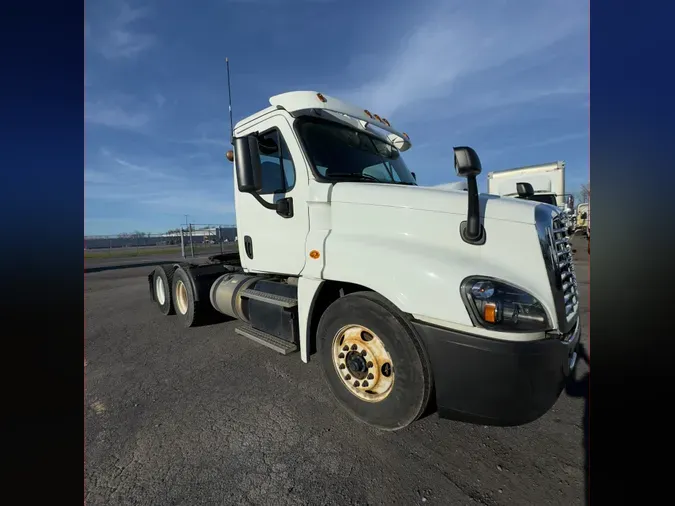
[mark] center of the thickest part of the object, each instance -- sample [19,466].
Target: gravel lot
[205,416]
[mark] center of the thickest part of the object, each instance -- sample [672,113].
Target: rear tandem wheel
[162,279]
[189,311]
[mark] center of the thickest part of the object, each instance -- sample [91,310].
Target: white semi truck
[401,292]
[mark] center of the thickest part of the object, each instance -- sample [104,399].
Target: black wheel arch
[330,291]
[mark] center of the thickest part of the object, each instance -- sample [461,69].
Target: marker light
[321,97]
[368,113]
[377,118]
[490,312]
[406,136]
[496,305]
[384,120]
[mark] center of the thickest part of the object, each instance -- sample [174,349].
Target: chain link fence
[189,241]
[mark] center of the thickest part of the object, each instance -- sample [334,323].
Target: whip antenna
[229,96]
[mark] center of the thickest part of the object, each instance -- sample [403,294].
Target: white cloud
[119,38]
[161,185]
[460,41]
[118,110]
[160,100]
[558,139]
[114,116]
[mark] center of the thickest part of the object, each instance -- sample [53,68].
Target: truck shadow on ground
[579,388]
[213,317]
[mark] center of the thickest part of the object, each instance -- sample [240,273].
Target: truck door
[269,242]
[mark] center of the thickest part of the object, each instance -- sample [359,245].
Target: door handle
[248,246]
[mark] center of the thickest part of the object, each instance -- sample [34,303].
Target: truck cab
[400,291]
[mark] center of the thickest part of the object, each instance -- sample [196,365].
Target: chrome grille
[562,257]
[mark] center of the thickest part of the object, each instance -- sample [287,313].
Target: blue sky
[507,77]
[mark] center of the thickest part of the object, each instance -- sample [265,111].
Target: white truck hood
[432,199]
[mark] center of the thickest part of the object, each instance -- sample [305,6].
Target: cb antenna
[229,95]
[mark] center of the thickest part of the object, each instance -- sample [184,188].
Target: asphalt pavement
[205,416]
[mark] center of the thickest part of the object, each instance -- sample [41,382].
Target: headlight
[496,305]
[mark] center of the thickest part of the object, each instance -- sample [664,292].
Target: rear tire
[395,364]
[162,280]
[187,309]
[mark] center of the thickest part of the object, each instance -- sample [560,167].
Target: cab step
[260,337]
[270,298]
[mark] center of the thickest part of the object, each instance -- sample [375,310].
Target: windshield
[339,152]
[545,198]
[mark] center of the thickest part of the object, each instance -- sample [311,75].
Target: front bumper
[496,382]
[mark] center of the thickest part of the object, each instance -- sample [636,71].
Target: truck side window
[278,170]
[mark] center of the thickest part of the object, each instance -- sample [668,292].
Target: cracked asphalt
[205,416]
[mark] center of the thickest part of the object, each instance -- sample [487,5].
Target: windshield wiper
[354,175]
[365,177]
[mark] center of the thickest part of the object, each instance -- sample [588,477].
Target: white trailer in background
[548,184]
[547,180]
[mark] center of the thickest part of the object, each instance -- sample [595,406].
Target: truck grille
[557,252]
[564,264]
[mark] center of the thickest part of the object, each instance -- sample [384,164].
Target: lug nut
[365,383]
[345,348]
[370,376]
[356,383]
[341,355]
[386,369]
[354,347]
[364,353]
[369,364]
[348,377]
[342,366]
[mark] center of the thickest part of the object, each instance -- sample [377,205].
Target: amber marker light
[490,312]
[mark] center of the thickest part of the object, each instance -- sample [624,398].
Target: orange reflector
[384,120]
[368,113]
[314,254]
[377,117]
[490,312]
[321,97]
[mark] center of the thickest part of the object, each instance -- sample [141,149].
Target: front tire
[373,362]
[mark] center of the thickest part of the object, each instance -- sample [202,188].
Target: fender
[308,290]
[422,275]
[186,267]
